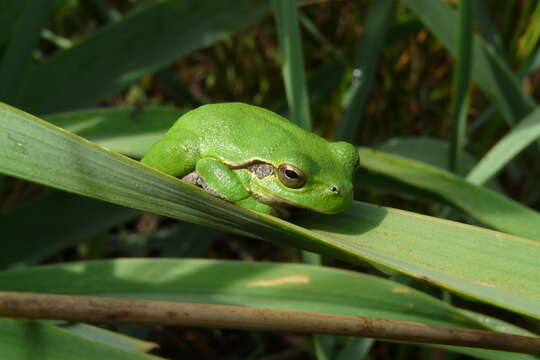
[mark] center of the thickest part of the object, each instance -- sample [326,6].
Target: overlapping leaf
[267,285]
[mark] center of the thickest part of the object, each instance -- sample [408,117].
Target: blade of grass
[529,40]
[490,72]
[532,65]
[125,129]
[18,54]
[487,28]
[378,22]
[121,53]
[290,45]
[473,203]
[40,340]
[521,136]
[460,85]
[489,207]
[462,258]
[356,349]
[430,150]
[267,285]
[106,337]
[314,31]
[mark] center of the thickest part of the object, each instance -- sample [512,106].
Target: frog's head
[320,181]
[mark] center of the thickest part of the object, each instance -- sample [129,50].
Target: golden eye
[291,176]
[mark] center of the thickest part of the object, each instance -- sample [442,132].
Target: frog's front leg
[222,182]
[175,155]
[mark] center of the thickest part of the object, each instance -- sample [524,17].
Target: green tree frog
[257,159]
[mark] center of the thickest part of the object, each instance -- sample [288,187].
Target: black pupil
[291,174]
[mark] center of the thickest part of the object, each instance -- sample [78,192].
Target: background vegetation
[444,91]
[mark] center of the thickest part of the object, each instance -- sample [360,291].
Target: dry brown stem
[113,310]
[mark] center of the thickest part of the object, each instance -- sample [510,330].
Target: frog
[257,159]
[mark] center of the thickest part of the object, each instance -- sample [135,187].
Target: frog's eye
[291,176]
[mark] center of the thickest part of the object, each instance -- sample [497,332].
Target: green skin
[233,150]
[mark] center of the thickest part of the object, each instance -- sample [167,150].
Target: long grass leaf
[529,40]
[18,54]
[106,337]
[460,84]
[371,43]
[290,45]
[488,29]
[136,134]
[487,206]
[521,136]
[39,340]
[268,285]
[462,258]
[294,77]
[127,130]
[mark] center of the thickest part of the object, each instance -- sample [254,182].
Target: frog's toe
[253,204]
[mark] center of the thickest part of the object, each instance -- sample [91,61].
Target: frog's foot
[194,178]
[256,205]
[175,156]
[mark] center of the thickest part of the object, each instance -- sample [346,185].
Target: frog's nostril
[334,189]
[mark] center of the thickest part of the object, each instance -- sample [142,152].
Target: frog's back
[237,131]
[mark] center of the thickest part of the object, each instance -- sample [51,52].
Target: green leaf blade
[39,340]
[37,151]
[489,207]
[515,141]
[290,44]
[378,23]
[268,285]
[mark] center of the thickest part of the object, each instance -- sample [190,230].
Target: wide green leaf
[491,208]
[21,339]
[463,258]
[127,130]
[430,150]
[268,285]
[106,337]
[509,146]
[145,40]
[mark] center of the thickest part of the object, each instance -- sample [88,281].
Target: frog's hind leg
[175,154]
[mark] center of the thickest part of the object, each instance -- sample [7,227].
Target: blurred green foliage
[379,74]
